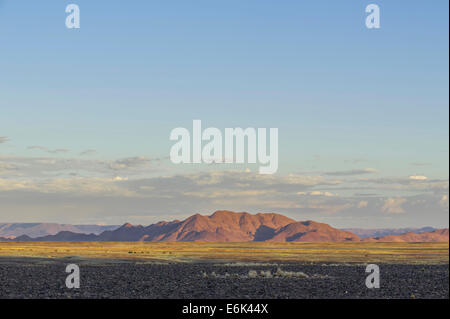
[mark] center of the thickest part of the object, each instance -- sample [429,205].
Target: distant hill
[381,232]
[13,230]
[439,235]
[227,226]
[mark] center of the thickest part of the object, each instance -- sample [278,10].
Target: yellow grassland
[411,253]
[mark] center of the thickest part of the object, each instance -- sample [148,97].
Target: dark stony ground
[45,278]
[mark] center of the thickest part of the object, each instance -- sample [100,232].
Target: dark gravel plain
[45,278]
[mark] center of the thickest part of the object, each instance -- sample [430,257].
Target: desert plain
[198,270]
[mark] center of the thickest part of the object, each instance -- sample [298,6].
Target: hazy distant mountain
[381,232]
[234,227]
[43,229]
[439,235]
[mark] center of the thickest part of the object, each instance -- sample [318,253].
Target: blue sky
[345,98]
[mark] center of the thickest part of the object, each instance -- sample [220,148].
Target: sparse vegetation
[262,274]
[237,254]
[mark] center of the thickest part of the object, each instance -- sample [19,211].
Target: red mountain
[235,227]
[225,226]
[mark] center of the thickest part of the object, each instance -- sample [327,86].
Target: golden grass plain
[408,253]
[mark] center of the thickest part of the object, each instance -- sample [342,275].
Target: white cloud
[418,177]
[393,205]
[119,178]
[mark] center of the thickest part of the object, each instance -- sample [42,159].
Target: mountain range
[13,230]
[227,226]
[381,232]
[439,235]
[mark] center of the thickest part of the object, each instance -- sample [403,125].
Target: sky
[362,114]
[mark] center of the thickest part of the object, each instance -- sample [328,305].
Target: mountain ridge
[12,230]
[228,226]
[381,232]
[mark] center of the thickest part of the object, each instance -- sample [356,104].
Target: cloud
[88,152]
[237,190]
[141,185]
[420,164]
[73,186]
[7,166]
[403,184]
[130,163]
[393,205]
[363,204]
[222,185]
[229,193]
[317,193]
[418,177]
[107,194]
[236,178]
[45,149]
[3,139]
[44,167]
[353,172]
[119,178]
[7,169]
[444,201]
